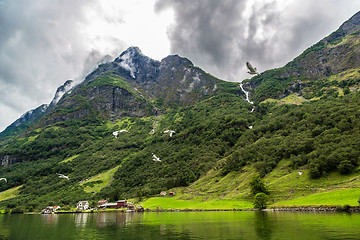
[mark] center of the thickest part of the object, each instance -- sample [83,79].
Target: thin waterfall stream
[247,99]
[246,94]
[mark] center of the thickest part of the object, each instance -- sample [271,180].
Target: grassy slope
[287,188]
[291,99]
[336,197]
[172,203]
[96,183]
[10,193]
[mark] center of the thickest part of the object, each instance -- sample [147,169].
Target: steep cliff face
[106,101]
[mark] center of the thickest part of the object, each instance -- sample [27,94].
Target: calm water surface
[182,225]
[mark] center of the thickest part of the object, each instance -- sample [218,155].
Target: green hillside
[108,135]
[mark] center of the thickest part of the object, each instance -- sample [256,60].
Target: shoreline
[336,209]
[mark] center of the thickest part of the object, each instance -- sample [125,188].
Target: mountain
[104,132]
[131,85]
[34,115]
[134,85]
[330,64]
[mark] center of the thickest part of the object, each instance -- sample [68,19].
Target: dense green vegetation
[323,135]
[82,149]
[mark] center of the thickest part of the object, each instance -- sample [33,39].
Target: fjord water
[182,225]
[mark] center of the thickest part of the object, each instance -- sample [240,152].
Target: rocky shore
[316,209]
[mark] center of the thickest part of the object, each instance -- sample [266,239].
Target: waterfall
[246,94]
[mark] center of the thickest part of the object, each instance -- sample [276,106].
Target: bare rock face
[351,25]
[7,160]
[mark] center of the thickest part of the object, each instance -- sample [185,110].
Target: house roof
[121,201]
[111,204]
[102,201]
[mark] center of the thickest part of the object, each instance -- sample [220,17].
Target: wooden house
[121,203]
[82,205]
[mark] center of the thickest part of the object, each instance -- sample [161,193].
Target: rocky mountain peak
[61,91]
[135,62]
[175,61]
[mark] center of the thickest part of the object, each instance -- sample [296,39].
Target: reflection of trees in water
[263,225]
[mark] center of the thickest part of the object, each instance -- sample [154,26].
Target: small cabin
[163,193]
[171,193]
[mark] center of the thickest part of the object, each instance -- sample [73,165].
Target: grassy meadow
[171,203]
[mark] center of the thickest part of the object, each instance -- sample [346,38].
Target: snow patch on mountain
[126,60]
[127,63]
[66,87]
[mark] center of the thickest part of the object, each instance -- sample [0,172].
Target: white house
[82,205]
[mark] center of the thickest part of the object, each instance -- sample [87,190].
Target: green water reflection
[182,225]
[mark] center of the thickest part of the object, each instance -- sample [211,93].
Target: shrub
[260,200]
[344,208]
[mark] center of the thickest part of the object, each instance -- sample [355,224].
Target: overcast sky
[43,43]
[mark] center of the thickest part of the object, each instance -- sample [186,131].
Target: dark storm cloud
[42,44]
[220,36]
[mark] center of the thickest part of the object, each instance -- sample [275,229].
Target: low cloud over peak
[221,36]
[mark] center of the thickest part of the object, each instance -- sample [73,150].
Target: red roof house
[121,203]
